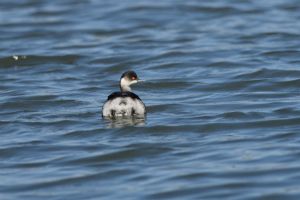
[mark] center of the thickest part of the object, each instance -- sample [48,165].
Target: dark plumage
[123,94]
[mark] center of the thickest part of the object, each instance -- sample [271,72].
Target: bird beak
[139,80]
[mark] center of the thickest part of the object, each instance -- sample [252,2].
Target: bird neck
[124,86]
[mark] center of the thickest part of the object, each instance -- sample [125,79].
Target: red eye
[133,78]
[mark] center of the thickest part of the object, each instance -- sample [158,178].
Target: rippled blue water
[222,95]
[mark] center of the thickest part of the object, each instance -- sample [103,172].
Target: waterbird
[124,103]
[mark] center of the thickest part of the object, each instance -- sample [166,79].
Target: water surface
[222,95]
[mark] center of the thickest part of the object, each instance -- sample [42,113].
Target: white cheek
[134,81]
[124,82]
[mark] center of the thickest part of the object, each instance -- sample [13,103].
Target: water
[222,95]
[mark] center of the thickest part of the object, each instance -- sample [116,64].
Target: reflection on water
[116,122]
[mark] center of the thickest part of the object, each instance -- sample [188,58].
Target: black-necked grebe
[124,103]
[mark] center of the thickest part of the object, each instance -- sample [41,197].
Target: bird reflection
[138,120]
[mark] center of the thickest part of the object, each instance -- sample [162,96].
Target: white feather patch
[123,106]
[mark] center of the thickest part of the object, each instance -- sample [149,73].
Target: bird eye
[133,78]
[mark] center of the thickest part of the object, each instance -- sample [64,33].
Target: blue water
[222,97]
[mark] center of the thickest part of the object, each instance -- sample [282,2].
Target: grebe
[124,103]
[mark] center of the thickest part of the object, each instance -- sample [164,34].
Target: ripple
[269,73]
[222,96]
[38,60]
